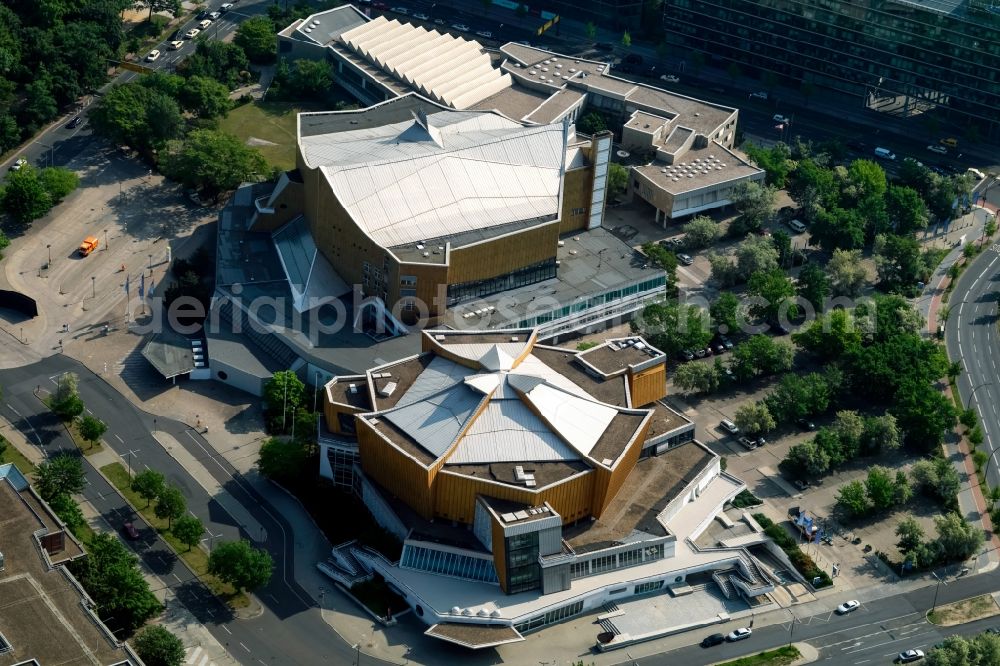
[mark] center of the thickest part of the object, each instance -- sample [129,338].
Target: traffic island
[966,610]
[789,655]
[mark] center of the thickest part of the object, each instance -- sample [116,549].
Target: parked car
[760,441]
[718,348]
[421,16]
[192,33]
[204,24]
[976,172]
[848,606]
[778,118]
[485,34]
[913,160]
[461,27]
[950,142]
[153,55]
[760,94]
[713,640]
[129,530]
[701,353]
[738,635]
[726,342]
[401,10]
[225,7]
[685,259]
[175,45]
[16,166]
[729,427]
[685,355]
[73,124]
[670,78]
[907,656]
[747,443]
[806,424]
[940,150]
[214,16]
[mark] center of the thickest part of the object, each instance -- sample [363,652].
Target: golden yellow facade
[332,412]
[455,495]
[577,187]
[648,386]
[395,471]
[607,483]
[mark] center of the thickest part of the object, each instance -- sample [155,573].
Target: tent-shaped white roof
[447,173]
[453,71]
[578,421]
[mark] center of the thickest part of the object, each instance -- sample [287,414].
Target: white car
[485,34]
[778,118]
[940,150]
[760,94]
[204,24]
[461,27]
[175,45]
[226,7]
[401,10]
[16,166]
[421,17]
[192,33]
[729,427]
[153,55]
[670,78]
[214,16]
[910,655]
[738,635]
[848,606]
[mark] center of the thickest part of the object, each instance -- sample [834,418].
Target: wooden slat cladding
[455,495]
[608,483]
[648,386]
[501,256]
[395,471]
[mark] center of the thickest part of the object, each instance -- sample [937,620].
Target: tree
[626,39]
[902,491]
[906,209]
[92,429]
[881,433]
[156,646]
[897,261]
[241,565]
[281,460]
[58,182]
[170,505]
[112,579]
[665,259]
[283,393]
[853,499]
[205,97]
[696,378]
[723,270]
[211,161]
[774,294]
[782,242]
[68,511]
[847,273]
[812,186]
[760,355]
[754,202]
[617,179]
[591,31]
[65,400]
[673,327]
[257,38]
[701,232]
[592,123]
[224,62]
[880,487]
[924,414]
[725,313]
[910,534]
[756,254]
[149,484]
[171,6]
[814,286]
[937,478]
[188,530]
[849,428]
[24,196]
[958,539]
[61,474]
[775,161]
[754,418]
[830,336]
[798,396]
[311,78]
[808,459]
[137,115]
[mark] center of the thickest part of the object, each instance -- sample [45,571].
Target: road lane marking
[227,630]
[244,646]
[119,438]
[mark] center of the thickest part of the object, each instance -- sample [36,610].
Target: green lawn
[269,121]
[779,657]
[12,455]
[195,558]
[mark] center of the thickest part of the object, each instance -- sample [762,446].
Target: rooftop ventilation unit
[607,462]
[387,390]
[514,338]
[482,612]
[439,338]
[455,610]
[527,478]
[353,388]
[495,612]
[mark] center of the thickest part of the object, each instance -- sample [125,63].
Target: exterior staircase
[343,567]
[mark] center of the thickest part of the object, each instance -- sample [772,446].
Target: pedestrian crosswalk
[197,656]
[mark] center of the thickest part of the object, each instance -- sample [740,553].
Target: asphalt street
[287,632]
[971,336]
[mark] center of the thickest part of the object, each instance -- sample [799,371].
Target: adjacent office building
[892,55]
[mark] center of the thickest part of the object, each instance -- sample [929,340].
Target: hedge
[802,562]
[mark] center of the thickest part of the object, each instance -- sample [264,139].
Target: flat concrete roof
[563,361]
[41,615]
[653,483]
[714,165]
[170,353]
[475,636]
[516,102]
[617,355]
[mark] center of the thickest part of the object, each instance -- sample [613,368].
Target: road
[971,336]
[290,630]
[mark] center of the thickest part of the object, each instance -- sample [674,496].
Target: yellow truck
[88,245]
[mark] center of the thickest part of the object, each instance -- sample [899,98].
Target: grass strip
[195,558]
[779,657]
[12,455]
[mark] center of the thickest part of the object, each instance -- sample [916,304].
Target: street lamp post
[93,286]
[936,590]
[150,264]
[968,404]
[105,239]
[48,247]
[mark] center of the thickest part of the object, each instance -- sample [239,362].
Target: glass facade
[523,276]
[906,57]
[553,616]
[653,284]
[447,564]
[523,571]
[341,464]
[653,586]
[622,560]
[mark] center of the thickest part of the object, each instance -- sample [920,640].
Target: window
[602,564]
[578,211]
[579,569]
[407,292]
[407,280]
[455,565]
[652,586]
